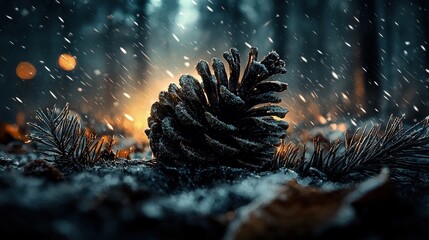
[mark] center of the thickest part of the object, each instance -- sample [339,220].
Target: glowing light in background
[67,62]
[138,107]
[25,71]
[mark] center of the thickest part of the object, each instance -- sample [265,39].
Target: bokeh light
[25,70]
[67,62]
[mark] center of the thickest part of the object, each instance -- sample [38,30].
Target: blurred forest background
[347,61]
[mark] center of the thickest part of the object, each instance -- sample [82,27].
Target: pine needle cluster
[60,135]
[364,153]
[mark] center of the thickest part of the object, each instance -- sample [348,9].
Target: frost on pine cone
[221,121]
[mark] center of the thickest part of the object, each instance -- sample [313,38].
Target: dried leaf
[301,212]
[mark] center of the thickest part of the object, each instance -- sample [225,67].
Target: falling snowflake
[126,95]
[176,38]
[53,95]
[129,117]
[169,73]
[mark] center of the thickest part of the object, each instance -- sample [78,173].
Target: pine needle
[364,154]
[60,135]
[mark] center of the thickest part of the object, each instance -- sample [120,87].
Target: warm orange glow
[135,113]
[67,62]
[341,127]
[124,153]
[25,71]
[14,131]
[322,119]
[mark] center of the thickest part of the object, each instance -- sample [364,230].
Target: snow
[53,95]
[212,200]
[129,117]
[175,37]
[170,74]
[387,93]
[126,95]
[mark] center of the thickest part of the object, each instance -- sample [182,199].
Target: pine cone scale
[233,59]
[271,86]
[169,99]
[186,116]
[192,89]
[268,110]
[229,99]
[219,146]
[209,83]
[220,73]
[261,99]
[219,125]
[256,73]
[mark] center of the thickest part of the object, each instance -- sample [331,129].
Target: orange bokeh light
[25,70]
[67,62]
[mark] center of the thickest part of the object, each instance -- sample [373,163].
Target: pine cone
[221,121]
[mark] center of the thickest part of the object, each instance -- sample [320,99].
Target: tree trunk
[370,56]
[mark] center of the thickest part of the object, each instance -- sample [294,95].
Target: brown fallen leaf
[300,211]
